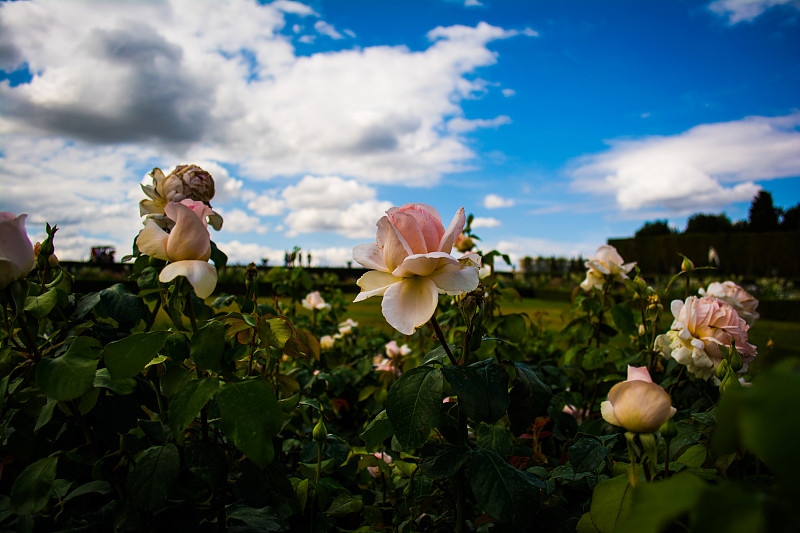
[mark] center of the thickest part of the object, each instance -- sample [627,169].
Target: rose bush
[605,265]
[637,404]
[411,265]
[701,327]
[16,251]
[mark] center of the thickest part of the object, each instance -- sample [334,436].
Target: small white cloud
[485,222]
[472,3]
[267,204]
[494,201]
[707,167]
[325,191]
[463,125]
[327,29]
[509,92]
[238,221]
[356,221]
[746,10]
[294,8]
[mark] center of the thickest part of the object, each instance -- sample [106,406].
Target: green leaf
[653,506]
[127,357]
[31,490]
[123,387]
[446,463]
[496,438]
[344,504]
[594,358]
[529,398]
[85,305]
[40,306]
[69,376]
[438,354]
[208,462]
[45,415]
[207,346]
[508,494]
[275,331]
[482,389]
[184,407]
[122,305]
[263,519]
[694,457]
[250,417]
[414,405]
[587,454]
[611,501]
[377,431]
[623,318]
[513,328]
[151,479]
[92,487]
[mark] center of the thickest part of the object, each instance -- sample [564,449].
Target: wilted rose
[732,294]
[637,404]
[186,182]
[16,251]
[606,265]
[411,265]
[187,247]
[701,327]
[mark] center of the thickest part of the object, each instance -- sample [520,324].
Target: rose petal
[607,410]
[639,373]
[409,304]
[395,249]
[453,231]
[201,274]
[423,264]
[189,239]
[369,256]
[456,279]
[152,241]
[374,283]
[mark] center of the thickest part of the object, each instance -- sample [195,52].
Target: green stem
[152,318]
[442,340]
[30,342]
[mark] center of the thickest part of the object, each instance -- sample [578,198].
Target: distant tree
[653,229]
[763,213]
[702,223]
[740,226]
[791,219]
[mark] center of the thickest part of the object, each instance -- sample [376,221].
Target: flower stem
[442,340]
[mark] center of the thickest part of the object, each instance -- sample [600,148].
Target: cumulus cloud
[495,201]
[485,222]
[238,221]
[509,92]
[326,191]
[746,10]
[356,221]
[267,204]
[705,168]
[462,125]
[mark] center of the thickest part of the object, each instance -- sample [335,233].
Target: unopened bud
[687,265]
[320,433]
[669,429]
[736,360]
[722,370]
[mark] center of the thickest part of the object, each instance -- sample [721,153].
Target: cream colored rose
[411,265]
[326,342]
[732,294]
[700,328]
[314,301]
[606,265]
[637,404]
[16,251]
[395,352]
[187,247]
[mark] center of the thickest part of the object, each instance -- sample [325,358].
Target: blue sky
[558,124]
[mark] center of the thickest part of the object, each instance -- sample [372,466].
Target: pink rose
[16,251]
[187,247]
[637,404]
[701,327]
[735,296]
[395,352]
[606,264]
[375,471]
[411,265]
[313,300]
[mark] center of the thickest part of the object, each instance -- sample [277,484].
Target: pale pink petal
[200,274]
[395,249]
[607,410]
[408,226]
[152,241]
[374,283]
[456,279]
[369,256]
[423,264]
[453,231]
[639,373]
[430,224]
[409,304]
[189,239]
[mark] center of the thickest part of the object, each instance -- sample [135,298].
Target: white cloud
[509,92]
[267,204]
[746,10]
[327,29]
[706,167]
[355,221]
[494,201]
[485,222]
[238,221]
[462,125]
[326,191]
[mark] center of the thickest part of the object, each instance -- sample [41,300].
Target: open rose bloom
[314,301]
[187,247]
[637,404]
[732,294]
[701,327]
[16,251]
[411,265]
[606,263]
